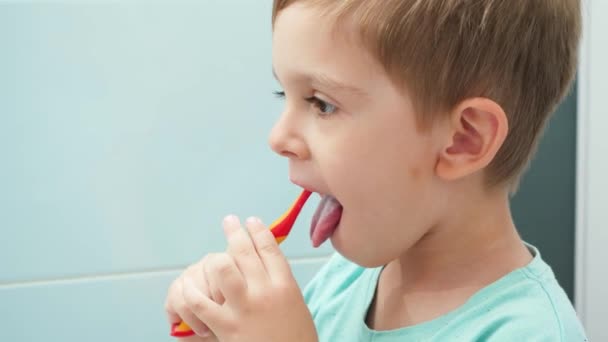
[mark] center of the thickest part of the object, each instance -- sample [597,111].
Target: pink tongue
[325,220]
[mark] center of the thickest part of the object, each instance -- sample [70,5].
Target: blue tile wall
[98,309]
[128,130]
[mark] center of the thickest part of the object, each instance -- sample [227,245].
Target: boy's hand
[256,295]
[178,311]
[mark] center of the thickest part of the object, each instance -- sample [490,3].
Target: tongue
[325,220]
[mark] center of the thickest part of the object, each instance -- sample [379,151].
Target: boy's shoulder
[527,303]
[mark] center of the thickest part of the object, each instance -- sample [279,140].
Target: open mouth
[325,220]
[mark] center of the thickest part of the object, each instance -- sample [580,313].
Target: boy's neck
[467,251]
[482,233]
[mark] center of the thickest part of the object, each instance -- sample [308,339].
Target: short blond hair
[522,54]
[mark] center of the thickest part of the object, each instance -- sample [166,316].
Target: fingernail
[231,219]
[253,219]
[231,224]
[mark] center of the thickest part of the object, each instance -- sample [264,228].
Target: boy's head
[397,107]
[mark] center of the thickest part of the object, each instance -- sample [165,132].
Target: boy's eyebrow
[330,83]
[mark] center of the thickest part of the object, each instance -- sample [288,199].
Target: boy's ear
[477,129]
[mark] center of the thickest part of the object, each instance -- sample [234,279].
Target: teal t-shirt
[527,304]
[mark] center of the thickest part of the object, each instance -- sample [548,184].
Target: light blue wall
[128,130]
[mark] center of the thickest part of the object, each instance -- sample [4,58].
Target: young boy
[414,119]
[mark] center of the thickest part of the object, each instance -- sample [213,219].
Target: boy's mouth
[325,220]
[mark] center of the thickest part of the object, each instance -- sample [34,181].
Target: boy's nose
[286,139]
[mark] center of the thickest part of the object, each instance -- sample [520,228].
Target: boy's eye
[324,108]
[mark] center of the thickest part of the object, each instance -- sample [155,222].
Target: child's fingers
[181,312]
[206,287]
[224,275]
[272,257]
[172,315]
[201,306]
[241,248]
[170,303]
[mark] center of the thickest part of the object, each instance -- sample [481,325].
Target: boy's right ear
[477,129]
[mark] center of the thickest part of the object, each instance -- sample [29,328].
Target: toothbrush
[280,228]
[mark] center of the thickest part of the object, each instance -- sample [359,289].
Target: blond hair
[522,54]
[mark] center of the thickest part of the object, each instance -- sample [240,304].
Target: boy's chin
[363,254]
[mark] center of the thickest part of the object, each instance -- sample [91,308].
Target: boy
[414,119]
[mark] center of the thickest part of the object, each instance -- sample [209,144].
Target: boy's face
[350,133]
